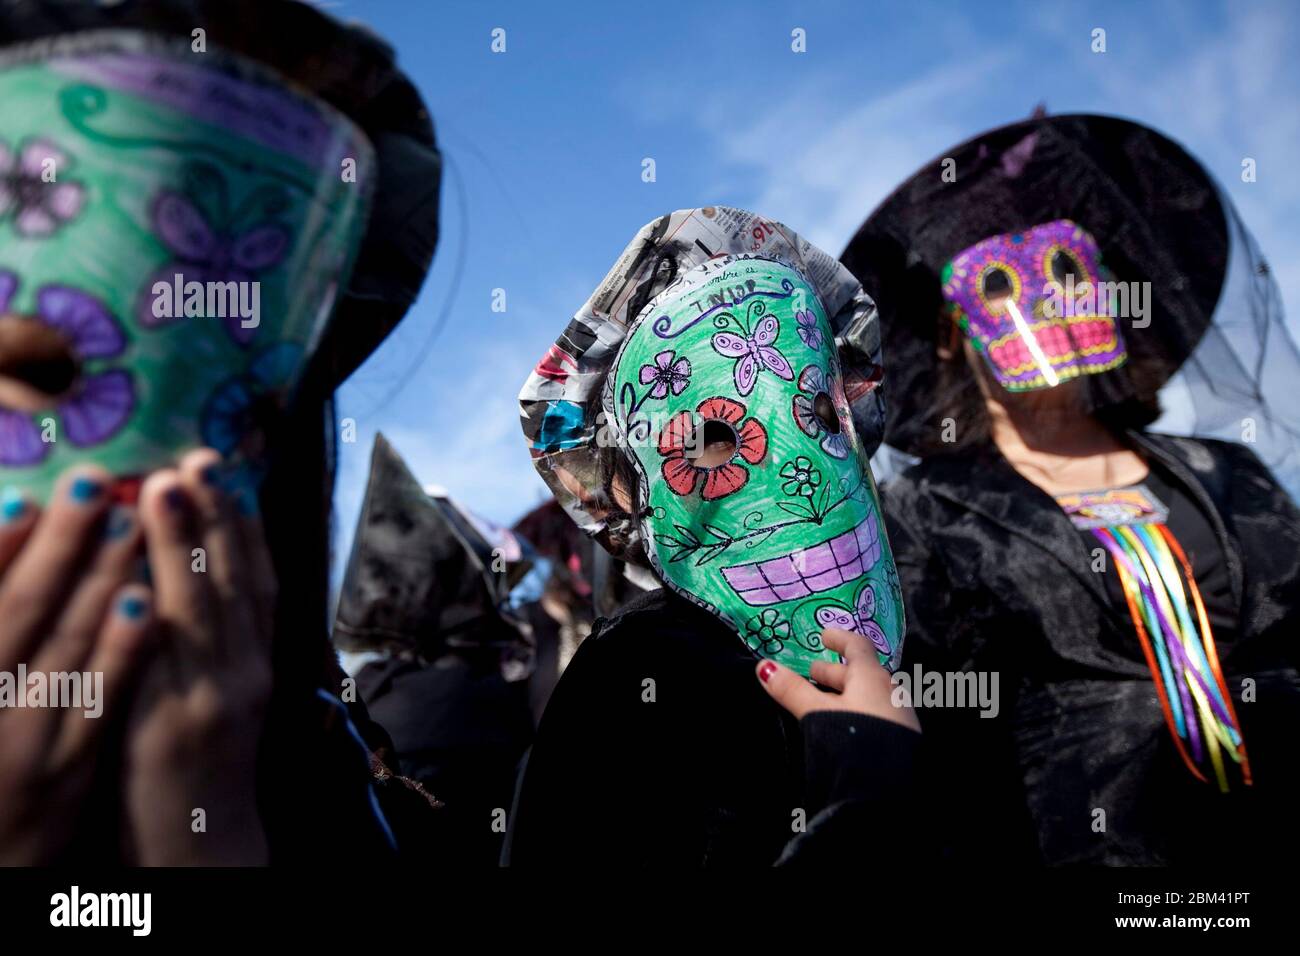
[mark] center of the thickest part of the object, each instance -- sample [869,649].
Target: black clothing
[1077,765]
[424,585]
[861,771]
[459,729]
[660,747]
[422,580]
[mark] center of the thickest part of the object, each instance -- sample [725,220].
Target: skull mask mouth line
[820,567]
[1065,342]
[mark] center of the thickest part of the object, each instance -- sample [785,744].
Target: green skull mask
[756,498]
[181,226]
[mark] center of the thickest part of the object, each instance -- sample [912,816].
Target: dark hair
[1123,400]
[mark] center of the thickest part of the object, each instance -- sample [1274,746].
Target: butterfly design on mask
[204,254]
[859,620]
[754,352]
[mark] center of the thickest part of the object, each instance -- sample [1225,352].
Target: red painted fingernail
[766,670]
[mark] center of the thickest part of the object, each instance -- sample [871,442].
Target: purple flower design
[807,329]
[203,254]
[99,404]
[39,207]
[666,374]
[20,440]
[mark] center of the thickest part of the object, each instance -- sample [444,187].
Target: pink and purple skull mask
[1036,304]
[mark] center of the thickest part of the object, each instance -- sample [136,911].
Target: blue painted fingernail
[84,490]
[175,499]
[118,524]
[211,476]
[132,607]
[12,505]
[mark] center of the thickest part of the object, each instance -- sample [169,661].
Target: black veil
[1242,382]
[1215,358]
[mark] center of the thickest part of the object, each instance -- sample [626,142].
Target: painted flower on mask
[667,374]
[206,255]
[806,321]
[239,414]
[767,633]
[749,439]
[38,204]
[818,411]
[803,478]
[99,404]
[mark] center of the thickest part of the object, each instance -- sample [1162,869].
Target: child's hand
[197,720]
[68,614]
[863,686]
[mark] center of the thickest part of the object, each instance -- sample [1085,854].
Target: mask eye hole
[1063,264]
[715,443]
[36,363]
[824,409]
[996,287]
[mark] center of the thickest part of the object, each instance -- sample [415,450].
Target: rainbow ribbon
[1179,647]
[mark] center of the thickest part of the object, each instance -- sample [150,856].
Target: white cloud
[820,166]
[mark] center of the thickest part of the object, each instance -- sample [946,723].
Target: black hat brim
[1154,210]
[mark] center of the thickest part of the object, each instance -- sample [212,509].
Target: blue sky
[544,146]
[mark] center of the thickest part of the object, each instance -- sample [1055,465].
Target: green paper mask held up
[174,231]
[740,413]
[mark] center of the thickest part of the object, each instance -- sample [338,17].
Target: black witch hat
[422,578]
[1153,209]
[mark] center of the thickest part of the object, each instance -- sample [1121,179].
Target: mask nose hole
[824,409]
[37,363]
[715,444]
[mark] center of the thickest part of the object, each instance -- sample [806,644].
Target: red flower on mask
[749,440]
